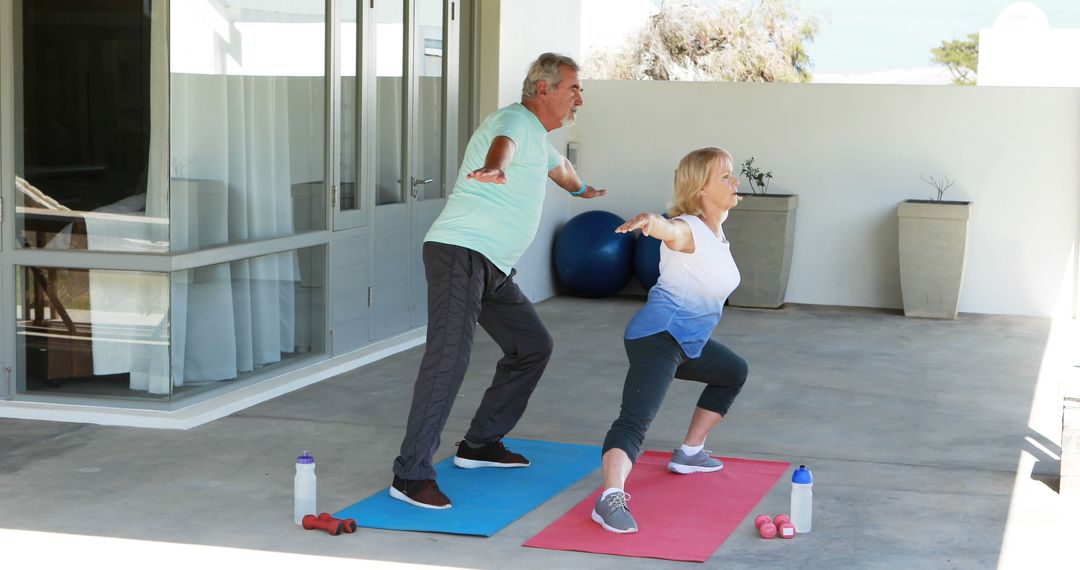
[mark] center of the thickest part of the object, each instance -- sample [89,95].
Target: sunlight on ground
[1040,529]
[50,550]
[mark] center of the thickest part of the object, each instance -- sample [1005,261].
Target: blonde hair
[691,176]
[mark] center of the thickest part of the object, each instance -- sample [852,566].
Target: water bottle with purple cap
[304,488]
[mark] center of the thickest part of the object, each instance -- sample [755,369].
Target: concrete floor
[932,445]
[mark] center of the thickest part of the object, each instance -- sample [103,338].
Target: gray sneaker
[613,514]
[700,462]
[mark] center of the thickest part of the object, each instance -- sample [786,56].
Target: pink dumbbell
[784,528]
[765,527]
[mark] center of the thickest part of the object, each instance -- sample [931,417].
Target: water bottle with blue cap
[802,499]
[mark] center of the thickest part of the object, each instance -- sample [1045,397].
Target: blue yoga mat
[485,500]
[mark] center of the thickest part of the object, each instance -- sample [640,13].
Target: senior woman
[670,336]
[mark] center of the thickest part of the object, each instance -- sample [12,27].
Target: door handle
[414,182]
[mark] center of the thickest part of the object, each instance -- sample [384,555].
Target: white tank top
[689,296]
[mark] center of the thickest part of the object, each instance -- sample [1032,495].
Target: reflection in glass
[348,198]
[232,319]
[429,109]
[85,167]
[247,82]
[93,332]
[139,335]
[389,63]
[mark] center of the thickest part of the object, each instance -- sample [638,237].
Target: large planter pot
[933,244]
[761,230]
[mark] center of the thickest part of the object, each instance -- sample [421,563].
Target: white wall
[529,28]
[852,152]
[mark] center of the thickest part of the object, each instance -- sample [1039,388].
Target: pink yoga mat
[680,517]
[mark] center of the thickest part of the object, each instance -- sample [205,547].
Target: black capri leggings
[654,361]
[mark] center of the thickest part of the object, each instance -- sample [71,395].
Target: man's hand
[591,192]
[491,175]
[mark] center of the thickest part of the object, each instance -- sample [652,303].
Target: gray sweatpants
[464,288]
[654,361]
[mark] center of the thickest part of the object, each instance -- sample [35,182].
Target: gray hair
[545,68]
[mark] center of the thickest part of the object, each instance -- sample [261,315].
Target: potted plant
[761,230]
[933,245]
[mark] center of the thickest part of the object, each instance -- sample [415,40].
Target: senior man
[469,254]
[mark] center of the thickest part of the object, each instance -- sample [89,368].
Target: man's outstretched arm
[499,155]
[567,178]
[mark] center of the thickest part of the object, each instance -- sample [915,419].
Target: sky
[861,36]
[860,41]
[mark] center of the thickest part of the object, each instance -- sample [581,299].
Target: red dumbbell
[347,525]
[765,527]
[332,526]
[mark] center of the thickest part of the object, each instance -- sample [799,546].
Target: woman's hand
[646,221]
[675,234]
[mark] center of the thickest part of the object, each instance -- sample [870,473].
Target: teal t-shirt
[500,220]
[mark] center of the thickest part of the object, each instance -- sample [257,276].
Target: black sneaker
[492,454]
[421,493]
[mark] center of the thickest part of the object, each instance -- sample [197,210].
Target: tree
[692,41]
[961,57]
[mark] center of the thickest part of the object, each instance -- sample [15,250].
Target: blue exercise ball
[592,260]
[647,261]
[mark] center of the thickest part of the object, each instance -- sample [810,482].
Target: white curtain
[229,318]
[129,310]
[237,147]
[236,186]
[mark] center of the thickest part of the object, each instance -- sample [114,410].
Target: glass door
[346,198]
[408,119]
[427,156]
[385,101]
[7,192]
